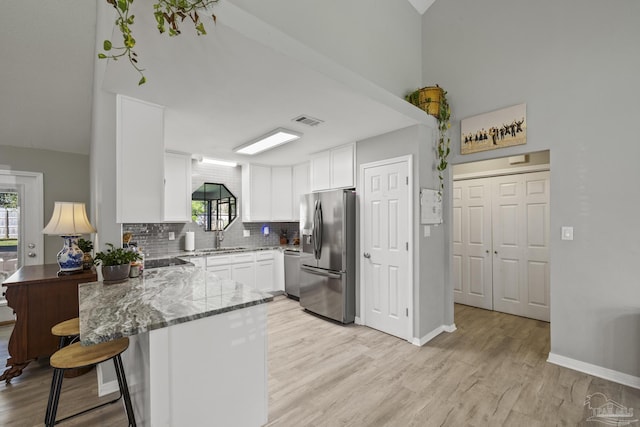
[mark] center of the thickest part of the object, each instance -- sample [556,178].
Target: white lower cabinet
[222,271]
[244,273]
[261,270]
[265,270]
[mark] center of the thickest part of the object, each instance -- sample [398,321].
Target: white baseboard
[106,388]
[431,335]
[357,321]
[595,370]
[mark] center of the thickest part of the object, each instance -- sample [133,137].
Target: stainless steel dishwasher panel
[292,274]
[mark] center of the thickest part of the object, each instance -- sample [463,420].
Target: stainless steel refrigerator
[327,257]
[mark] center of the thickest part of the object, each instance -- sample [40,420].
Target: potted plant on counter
[116,262]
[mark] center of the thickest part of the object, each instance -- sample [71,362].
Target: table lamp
[69,220]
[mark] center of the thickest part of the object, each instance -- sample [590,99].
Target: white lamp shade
[69,219]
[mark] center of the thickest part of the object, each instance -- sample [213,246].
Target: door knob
[367,255]
[31,255]
[495,252]
[31,245]
[487,251]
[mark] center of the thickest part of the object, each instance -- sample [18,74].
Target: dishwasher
[292,274]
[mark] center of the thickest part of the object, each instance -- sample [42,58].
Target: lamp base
[70,256]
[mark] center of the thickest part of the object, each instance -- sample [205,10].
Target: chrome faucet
[218,235]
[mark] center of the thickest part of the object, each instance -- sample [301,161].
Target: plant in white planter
[116,262]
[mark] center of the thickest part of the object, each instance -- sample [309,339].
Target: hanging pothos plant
[444,141]
[169,14]
[433,100]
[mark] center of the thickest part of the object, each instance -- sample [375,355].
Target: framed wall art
[497,129]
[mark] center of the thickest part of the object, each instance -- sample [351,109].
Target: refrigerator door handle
[314,230]
[320,226]
[319,272]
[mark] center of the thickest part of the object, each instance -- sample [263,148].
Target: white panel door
[385,248]
[520,217]
[472,261]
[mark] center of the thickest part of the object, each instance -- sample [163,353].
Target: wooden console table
[40,299]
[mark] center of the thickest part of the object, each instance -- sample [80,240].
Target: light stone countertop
[232,250]
[159,298]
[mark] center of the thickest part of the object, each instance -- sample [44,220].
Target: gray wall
[380,42]
[65,179]
[429,256]
[575,64]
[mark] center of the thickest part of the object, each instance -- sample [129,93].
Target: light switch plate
[246,233]
[172,235]
[427,230]
[567,233]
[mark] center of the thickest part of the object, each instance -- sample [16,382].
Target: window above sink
[213,206]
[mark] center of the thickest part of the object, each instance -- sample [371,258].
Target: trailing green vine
[444,141]
[433,100]
[169,14]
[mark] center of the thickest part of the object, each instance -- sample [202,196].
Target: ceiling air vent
[308,120]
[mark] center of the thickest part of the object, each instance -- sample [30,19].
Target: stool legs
[124,390]
[56,387]
[54,397]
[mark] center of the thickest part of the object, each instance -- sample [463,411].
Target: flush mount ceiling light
[265,142]
[218,162]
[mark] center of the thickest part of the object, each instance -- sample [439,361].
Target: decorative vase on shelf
[115,273]
[70,257]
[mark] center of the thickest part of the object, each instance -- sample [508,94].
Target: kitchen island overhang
[198,352]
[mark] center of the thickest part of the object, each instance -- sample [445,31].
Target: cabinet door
[300,187]
[256,193]
[321,172]
[139,142]
[222,271]
[177,187]
[244,273]
[281,194]
[342,166]
[265,275]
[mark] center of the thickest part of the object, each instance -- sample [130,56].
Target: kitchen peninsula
[198,353]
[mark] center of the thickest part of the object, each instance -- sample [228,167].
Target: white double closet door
[501,244]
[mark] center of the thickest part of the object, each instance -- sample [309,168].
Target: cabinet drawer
[218,260]
[264,255]
[243,257]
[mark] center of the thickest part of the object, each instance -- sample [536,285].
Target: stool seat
[67,328]
[77,355]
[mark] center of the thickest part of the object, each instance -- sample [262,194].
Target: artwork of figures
[497,129]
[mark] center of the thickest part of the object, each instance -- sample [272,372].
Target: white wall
[575,64]
[65,179]
[379,41]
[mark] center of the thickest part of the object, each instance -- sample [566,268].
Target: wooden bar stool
[68,331]
[76,356]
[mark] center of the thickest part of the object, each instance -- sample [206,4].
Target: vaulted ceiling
[47,83]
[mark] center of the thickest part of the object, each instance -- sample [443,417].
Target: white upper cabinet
[301,186]
[140,161]
[177,187]
[321,171]
[281,193]
[256,193]
[342,166]
[333,168]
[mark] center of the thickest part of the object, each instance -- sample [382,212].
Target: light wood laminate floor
[492,371]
